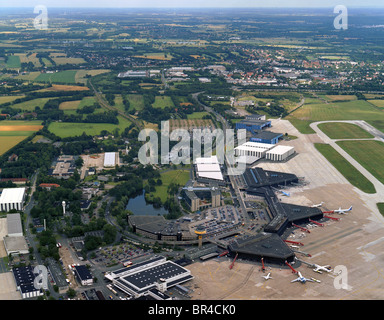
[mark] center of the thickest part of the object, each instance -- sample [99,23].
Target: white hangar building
[12,198]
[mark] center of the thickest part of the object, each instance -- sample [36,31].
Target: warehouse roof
[208,168]
[12,195]
[14,224]
[280,149]
[109,159]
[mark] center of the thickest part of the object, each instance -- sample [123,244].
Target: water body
[139,207]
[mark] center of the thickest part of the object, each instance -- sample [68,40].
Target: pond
[139,207]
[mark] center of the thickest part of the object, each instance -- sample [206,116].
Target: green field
[380,206]
[340,130]
[350,110]
[13,62]
[70,129]
[176,176]
[197,115]
[162,102]
[345,168]
[368,153]
[31,104]
[67,76]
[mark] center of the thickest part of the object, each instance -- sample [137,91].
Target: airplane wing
[298,279]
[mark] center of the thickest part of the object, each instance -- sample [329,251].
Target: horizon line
[226,7]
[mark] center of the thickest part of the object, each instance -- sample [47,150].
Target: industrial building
[12,198]
[280,153]
[63,167]
[208,170]
[109,159]
[24,278]
[83,275]
[253,125]
[266,137]
[155,273]
[15,242]
[252,151]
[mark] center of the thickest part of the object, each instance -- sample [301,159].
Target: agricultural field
[368,153]
[13,132]
[353,175]
[31,104]
[7,142]
[190,124]
[70,129]
[155,56]
[340,130]
[77,104]
[179,177]
[67,76]
[13,62]
[377,103]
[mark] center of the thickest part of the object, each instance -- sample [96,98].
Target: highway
[225,126]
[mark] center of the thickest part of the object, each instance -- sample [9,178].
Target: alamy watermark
[224,142]
[41,21]
[341,21]
[41,279]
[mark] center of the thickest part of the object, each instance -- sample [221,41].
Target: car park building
[12,198]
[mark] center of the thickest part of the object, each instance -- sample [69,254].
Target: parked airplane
[268,276]
[302,279]
[343,211]
[319,269]
[318,205]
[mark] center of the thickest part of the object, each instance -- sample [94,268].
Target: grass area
[31,104]
[197,115]
[354,176]
[340,130]
[7,142]
[70,129]
[13,62]
[378,124]
[162,102]
[380,206]
[67,76]
[136,101]
[302,125]
[349,110]
[179,177]
[368,153]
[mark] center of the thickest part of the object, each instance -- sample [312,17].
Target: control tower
[200,231]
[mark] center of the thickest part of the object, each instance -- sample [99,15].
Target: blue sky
[190,3]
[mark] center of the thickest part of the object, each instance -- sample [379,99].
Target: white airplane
[268,276]
[318,205]
[302,279]
[343,211]
[319,269]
